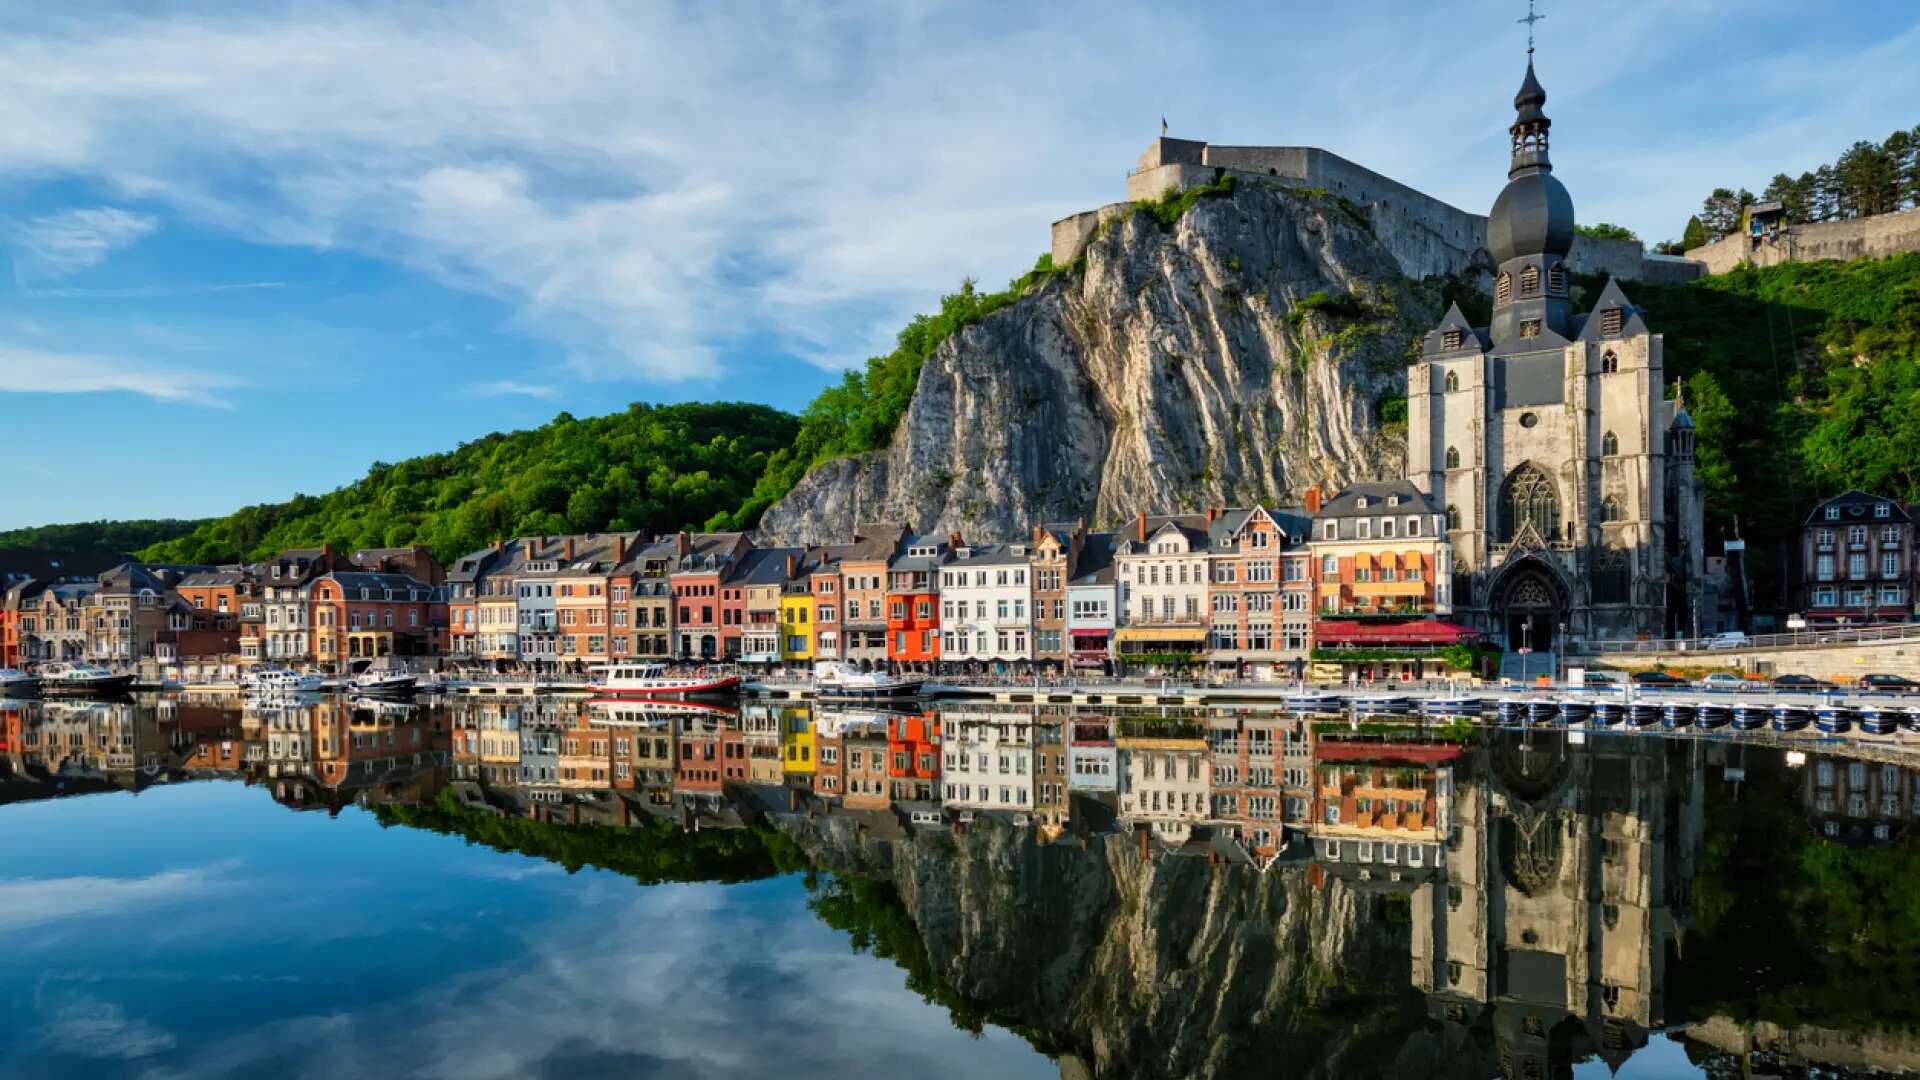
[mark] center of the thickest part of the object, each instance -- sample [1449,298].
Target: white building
[987,762]
[1161,574]
[1093,604]
[1166,784]
[986,605]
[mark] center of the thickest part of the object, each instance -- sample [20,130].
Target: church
[1565,470]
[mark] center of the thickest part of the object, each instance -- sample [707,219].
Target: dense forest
[119,537]
[651,468]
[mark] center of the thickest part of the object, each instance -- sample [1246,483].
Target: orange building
[913,602]
[913,757]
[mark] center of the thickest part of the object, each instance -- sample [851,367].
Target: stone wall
[1426,235]
[1842,663]
[1860,238]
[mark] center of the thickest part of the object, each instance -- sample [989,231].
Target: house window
[1453,457]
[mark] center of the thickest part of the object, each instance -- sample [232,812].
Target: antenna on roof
[1530,18]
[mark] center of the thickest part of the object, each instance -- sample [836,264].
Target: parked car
[1800,682]
[1602,680]
[1723,682]
[1880,680]
[1727,639]
[1658,680]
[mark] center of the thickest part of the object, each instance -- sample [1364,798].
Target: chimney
[682,543]
[953,540]
[531,548]
[566,549]
[1212,512]
[619,548]
[1313,499]
[1140,526]
[792,565]
[499,545]
[1036,535]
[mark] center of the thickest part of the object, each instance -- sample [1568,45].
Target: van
[1727,639]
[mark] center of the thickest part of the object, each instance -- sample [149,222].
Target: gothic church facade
[1565,471]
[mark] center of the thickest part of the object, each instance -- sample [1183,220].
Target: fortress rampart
[1859,238]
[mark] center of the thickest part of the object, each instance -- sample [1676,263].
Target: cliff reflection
[1206,892]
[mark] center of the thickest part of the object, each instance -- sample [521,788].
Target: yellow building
[796,741]
[796,624]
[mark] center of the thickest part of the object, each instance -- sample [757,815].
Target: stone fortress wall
[1859,238]
[1426,235]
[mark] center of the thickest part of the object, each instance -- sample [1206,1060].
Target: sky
[255,247]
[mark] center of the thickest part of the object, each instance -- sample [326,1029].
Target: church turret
[1529,234]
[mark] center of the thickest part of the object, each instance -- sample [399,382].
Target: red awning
[1420,632]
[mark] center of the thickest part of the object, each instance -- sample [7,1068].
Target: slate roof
[1378,496]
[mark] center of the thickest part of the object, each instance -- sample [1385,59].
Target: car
[1723,681]
[1727,639]
[1800,682]
[1658,680]
[1880,680]
[1601,680]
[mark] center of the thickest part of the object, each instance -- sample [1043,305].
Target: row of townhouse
[314,606]
[1240,589]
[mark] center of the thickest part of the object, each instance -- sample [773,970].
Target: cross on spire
[1530,18]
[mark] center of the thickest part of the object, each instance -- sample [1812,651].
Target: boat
[837,681]
[1677,714]
[282,681]
[1751,717]
[17,683]
[842,723]
[1451,706]
[1576,710]
[1833,717]
[1791,717]
[1880,719]
[1609,713]
[1643,713]
[1383,705]
[386,684]
[1911,719]
[393,707]
[652,680]
[1511,710]
[1542,712]
[77,678]
[1310,701]
[656,713]
[1712,714]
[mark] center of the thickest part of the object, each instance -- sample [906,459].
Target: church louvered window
[1453,381]
[1611,320]
[1529,509]
[1452,339]
[1453,457]
[1557,280]
[1610,579]
[1503,287]
[1530,281]
[1609,444]
[1609,363]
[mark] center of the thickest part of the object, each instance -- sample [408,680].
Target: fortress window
[1503,287]
[1611,321]
[1610,509]
[1530,281]
[1609,363]
[1557,280]
[1529,328]
[1452,339]
[1453,517]
[1453,457]
[1609,444]
[1453,377]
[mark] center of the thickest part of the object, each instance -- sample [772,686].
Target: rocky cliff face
[1173,967]
[1238,355]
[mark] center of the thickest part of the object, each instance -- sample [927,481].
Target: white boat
[384,684]
[833,680]
[283,681]
[16,682]
[77,678]
[652,680]
[652,713]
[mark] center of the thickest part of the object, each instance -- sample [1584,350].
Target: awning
[1184,634]
[1418,632]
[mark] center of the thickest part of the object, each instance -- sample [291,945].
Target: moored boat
[1383,705]
[1511,710]
[1643,713]
[652,680]
[386,684]
[1750,717]
[1542,712]
[835,681]
[16,683]
[1712,714]
[1576,710]
[77,678]
[276,680]
[1677,714]
[1880,719]
[1834,717]
[1310,701]
[1451,706]
[1791,717]
[1609,713]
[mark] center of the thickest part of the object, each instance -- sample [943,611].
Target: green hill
[653,468]
[115,536]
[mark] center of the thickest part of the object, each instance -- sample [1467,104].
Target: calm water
[559,889]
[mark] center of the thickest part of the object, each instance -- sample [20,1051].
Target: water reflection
[1187,892]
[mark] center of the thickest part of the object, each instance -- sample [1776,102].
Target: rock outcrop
[1240,354]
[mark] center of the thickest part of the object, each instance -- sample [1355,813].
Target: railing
[1794,639]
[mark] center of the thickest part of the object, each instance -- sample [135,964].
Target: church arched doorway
[1530,605]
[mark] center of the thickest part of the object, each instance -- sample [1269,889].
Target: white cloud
[511,388]
[40,371]
[87,1027]
[67,242]
[26,902]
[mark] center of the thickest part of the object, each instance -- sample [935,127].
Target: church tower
[1565,471]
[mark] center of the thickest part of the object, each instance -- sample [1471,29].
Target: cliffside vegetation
[657,468]
[1867,178]
[115,536]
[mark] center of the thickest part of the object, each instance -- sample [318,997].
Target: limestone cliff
[1174,967]
[1238,354]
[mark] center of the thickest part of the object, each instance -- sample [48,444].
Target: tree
[1695,234]
[1720,212]
[1607,230]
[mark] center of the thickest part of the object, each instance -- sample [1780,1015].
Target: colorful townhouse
[1055,552]
[913,757]
[1857,561]
[1383,572]
[358,615]
[823,584]
[701,562]
[1093,605]
[649,616]
[864,579]
[763,574]
[913,602]
[1161,570]
[584,602]
[986,622]
[799,614]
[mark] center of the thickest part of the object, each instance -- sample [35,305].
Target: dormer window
[1611,320]
[1833,513]
[1880,510]
[1452,339]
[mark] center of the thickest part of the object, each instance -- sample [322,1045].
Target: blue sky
[255,247]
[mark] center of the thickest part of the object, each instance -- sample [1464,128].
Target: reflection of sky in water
[203,930]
